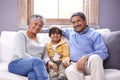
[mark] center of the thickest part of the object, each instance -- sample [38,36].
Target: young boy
[58,52]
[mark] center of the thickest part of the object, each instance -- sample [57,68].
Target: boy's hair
[54,30]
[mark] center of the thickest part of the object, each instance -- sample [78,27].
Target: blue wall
[109,14]
[8,15]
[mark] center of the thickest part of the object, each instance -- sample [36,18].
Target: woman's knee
[31,76]
[37,60]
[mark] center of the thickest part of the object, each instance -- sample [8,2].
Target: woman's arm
[20,46]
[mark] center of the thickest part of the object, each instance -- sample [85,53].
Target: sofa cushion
[112,41]
[110,74]
[5,75]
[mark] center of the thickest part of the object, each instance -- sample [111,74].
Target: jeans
[33,68]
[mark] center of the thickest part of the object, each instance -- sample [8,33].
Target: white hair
[33,17]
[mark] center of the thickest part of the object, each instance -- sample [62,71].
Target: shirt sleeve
[45,56]
[20,46]
[99,47]
[66,32]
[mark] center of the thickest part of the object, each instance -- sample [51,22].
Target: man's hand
[81,63]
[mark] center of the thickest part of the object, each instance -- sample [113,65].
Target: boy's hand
[65,63]
[53,66]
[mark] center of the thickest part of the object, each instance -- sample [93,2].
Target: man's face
[78,24]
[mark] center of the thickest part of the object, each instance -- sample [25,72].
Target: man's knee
[73,74]
[95,57]
[95,60]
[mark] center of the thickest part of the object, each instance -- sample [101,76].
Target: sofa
[111,64]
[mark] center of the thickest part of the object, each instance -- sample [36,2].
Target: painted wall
[8,15]
[109,14]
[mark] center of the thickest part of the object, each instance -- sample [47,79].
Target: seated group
[57,60]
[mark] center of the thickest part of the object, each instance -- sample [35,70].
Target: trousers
[61,72]
[33,68]
[93,67]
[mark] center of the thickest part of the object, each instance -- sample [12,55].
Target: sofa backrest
[7,38]
[112,40]
[6,45]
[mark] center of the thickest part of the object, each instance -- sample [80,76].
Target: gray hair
[33,17]
[78,14]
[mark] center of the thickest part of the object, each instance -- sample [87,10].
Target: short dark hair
[78,14]
[54,30]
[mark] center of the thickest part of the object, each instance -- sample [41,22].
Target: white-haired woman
[30,53]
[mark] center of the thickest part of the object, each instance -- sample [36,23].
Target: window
[58,11]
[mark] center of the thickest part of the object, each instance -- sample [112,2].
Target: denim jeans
[33,68]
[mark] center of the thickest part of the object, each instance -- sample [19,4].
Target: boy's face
[55,37]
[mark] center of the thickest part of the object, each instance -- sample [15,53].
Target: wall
[8,15]
[109,14]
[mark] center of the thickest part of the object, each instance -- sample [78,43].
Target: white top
[24,47]
[56,55]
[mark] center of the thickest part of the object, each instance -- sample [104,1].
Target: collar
[60,43]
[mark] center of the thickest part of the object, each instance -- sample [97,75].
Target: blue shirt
[88,42]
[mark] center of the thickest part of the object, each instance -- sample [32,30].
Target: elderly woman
[30,53]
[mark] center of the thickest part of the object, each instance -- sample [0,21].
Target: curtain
[91,12]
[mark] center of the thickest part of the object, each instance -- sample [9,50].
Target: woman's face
[78,23]
[35,26]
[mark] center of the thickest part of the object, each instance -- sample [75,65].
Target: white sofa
[6,52]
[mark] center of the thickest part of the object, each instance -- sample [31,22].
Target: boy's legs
[53,75]
[62,72]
